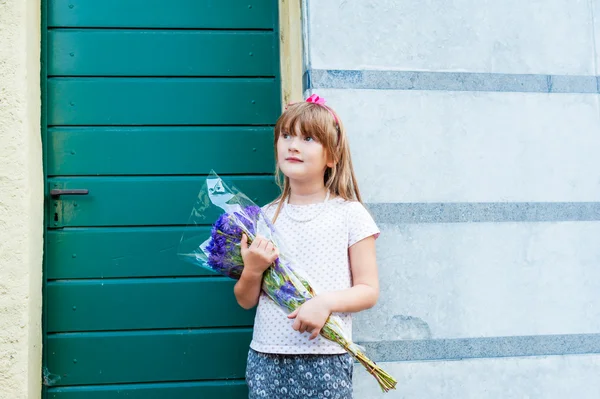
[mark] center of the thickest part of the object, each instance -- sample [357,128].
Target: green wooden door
[141,99]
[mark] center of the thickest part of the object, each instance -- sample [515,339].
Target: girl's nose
[293,144]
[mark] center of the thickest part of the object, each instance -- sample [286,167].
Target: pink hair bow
[316,100]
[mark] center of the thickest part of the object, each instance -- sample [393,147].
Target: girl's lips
[292,159]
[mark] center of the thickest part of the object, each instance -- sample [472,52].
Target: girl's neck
[307,193]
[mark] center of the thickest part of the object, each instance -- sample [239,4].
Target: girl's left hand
[311,316]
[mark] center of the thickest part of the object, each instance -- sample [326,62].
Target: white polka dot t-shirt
[319,247]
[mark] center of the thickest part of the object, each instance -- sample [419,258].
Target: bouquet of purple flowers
[282,283]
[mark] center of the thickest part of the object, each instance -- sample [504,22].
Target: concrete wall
[475,130]
[21,199]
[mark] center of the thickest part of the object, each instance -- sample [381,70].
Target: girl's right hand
[259,255]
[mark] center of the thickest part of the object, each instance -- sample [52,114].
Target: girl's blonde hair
[322,123]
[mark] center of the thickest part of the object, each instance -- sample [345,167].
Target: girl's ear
[331,161]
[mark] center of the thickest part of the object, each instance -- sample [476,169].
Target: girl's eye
[309,139]
[285,135]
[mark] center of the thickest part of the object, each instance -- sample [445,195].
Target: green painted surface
[81,52]
[141,201]
[217,14]
[159,150]
[126,304]
[140,100]
[178,390]
[148,356]
[118,252]
[163,101]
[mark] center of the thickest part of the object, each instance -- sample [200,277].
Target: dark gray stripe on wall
[449,81]
[469,348]
[484,212]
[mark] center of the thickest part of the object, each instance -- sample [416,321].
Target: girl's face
[301,157]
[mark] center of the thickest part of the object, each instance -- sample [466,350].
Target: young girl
[331,237]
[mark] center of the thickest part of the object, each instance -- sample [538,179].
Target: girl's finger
[296,326]
[274,256]
[314,334]
[303,328]
[293,314]
[244,242]
[263,244]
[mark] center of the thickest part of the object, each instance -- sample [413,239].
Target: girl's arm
[311,316]
[365,288]
[247,289]
[257,258]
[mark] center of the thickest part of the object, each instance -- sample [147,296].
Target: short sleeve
[360,223]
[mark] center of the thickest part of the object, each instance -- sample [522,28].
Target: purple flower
[286,293]
[249,217]
[278,267]
[224,253]
[288,289]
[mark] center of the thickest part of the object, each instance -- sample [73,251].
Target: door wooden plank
[148,356]
[180,390]
[103,52]
[119,252]
[128,304]
[159,150]
[162,101]
[141,201]
[217,14]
